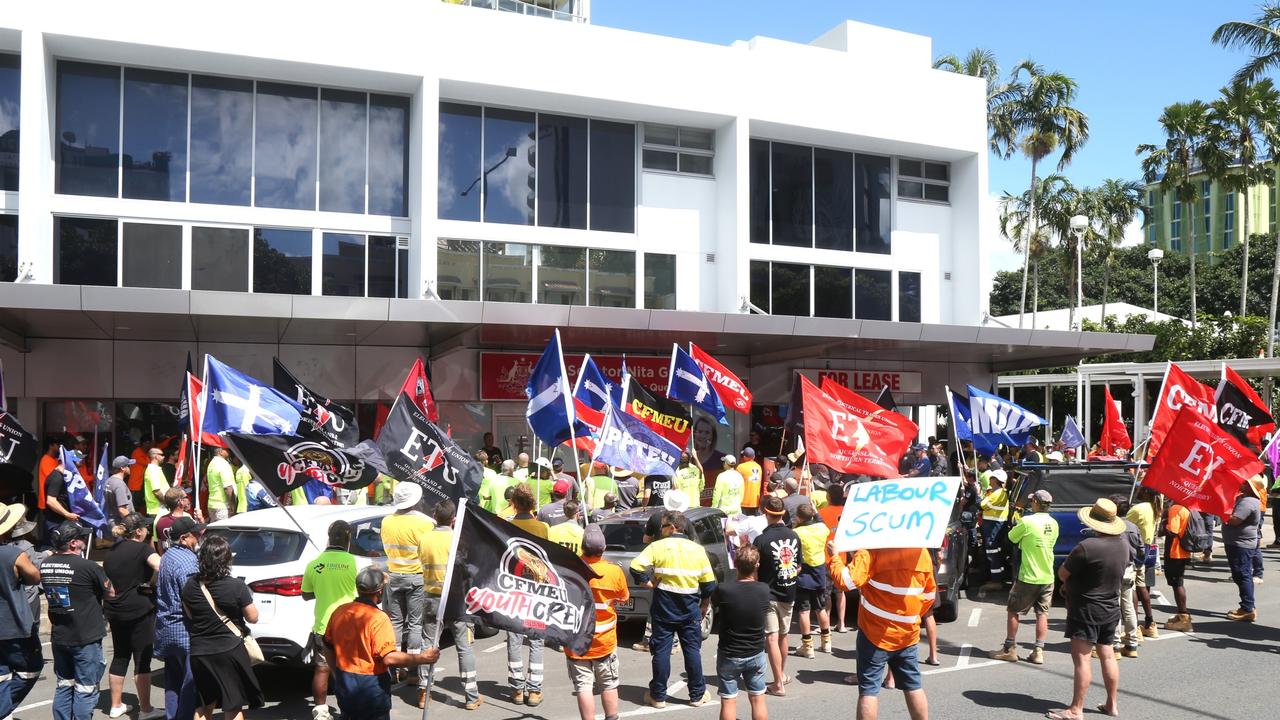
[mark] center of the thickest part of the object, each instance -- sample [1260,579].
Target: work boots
[1180,622]
[826,643]
[806,648]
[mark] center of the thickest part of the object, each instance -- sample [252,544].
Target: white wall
[678,215]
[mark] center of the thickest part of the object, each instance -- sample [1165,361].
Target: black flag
[283,463]
[885,399]
[18,451]
[417,451]
[324,418]
[1240,415]
[515,581]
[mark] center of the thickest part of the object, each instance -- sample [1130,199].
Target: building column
[35,170]
[729,280]
[424,126]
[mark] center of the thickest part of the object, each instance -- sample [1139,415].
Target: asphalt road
[1224,670]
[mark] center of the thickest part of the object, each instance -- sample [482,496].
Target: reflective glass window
[659,281]
[8,248]
[457,269]
[612,278]
[562,275]
[792,171]
[759,191]
[508,272]
[909,297]
[88,129]
[282,261]
[284,147]
[84,251]
[342,150]
[661,160]
[872,204]
[342,266]
[833,199]
[832,292]
[155,135]
[10,105]
[696,164]
[613,176]
[382,273]
[872,294]
[152,255]
[509,161]
[759,272]
[220,259]
[562,171]
[221,140]
[789,290]
[389,155]
[458,183]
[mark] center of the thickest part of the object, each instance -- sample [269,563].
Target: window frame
[899,176]
[678,149]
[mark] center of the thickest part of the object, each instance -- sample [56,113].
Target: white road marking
[973,666]
[1166,635]
[495,648]
[975,617]
[963,660]
[33,706]
[675,687]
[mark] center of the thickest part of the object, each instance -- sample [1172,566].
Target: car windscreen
[1078,487]
[259,546]
[623,536]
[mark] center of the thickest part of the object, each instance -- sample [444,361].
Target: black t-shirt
[657,485]
[552,513]
[628,489]
[742,607]
[779,548]
[126,566]
[209,635]
[55,485]
[74,589]
[1097,568]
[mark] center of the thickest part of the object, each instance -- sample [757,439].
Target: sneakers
[1129,651]
[321,712]
[1179,623]
[474,704]
[648,700]
[1149,630]
[1207,557]
[120,711]
[1242,616]
[1036,656]
[1257,581]
[642,646]
[806,648]
[1009,654]
[825,644]
[699,702]
[533,699]
[517,697]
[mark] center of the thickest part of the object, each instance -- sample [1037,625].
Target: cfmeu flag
[515,581]
[283,463]
[335,423]
[238,403]
[999,419]
[550,410]
[627,442]
[418,451]
[845,439]
[1199,465]
[1241,412]
[1178,390]
[687,383]
[1114,435]
[664,416]
[732,391]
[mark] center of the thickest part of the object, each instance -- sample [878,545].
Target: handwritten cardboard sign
[903,513]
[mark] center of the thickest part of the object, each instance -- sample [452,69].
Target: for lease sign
[869,381]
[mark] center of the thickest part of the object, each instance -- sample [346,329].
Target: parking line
[33,706]
[975,617]
[972,666]
[963,660]
[495,648]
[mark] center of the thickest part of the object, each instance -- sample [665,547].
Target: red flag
[841,438]
[732,391]
[1233,399]
[180,467]
[1200,466]
[869,410]
[1114,435]
[1178,389]
[195,391]
[593,419]
[417,388]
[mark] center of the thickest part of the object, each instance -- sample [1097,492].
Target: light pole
[1155,255]
[1079,223]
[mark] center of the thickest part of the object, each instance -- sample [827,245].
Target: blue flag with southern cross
[238,403]
[687,383]
[1071,436]
[550,409]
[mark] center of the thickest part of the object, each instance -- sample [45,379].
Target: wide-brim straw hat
[12,515]
[1102,517]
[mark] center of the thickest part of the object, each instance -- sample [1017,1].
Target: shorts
[216,514]
[779,617]
[1174,569]
[316,646]
[750,669]
[1104,634]
[813,599]
[1024,596]
[1140,580]
[587,676]
[872,660]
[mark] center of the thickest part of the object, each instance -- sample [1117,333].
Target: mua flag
[418,451]
[195,414]
[1178,390]
[664,416]
[550,409]
[961,416]
[284,463]
[236,402]
[687,383]
[732,391]
[517,582]
[845,440]
[1000,420]
[1241,411]
[627,442]
[1199,465]
[78,495]
[334,423]
[1071,436]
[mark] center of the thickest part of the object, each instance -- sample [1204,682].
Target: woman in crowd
[130,565]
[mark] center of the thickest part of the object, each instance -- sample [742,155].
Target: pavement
[1219,672]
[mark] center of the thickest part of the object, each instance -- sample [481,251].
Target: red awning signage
[503,374]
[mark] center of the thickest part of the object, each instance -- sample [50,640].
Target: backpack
[1196,538]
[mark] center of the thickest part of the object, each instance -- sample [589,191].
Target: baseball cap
[557,463]
[122,462]
[729,460]
[593,540]
[183,525]
[561,487]
[1041,496]
[370,580]
[748,452]
[69,530]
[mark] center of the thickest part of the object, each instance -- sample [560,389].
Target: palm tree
[1033,221]
[1243,117]
[1260,37]
[981,63]
[1112,206]
[1037,117]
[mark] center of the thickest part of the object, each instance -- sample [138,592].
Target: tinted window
[659,281]
[152,255]
[342,150]
[458,185]
[909,297]
[10,105]
[790,290]
[254,546]
[760,284]
[832,292]
[402,277]
[8,248]
[613,278]
[508,272]
[284,147]
[613,176]
[873,208]
[220,259]
[84,251]
[792,196]
[759,151]
[872,294]
[282,261]
[88,129]
[388,155]
[343,265]
[623,536]
[661,160]
[155,135]
[221,140]
[562,275]
[509,160]
[366,539]
[457,269]
[381,276]
[833,199]
[562,171]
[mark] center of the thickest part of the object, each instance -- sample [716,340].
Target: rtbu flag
[238,403]
[335,423]
[520,583]
[550,409]
[845,439]
[1200,466]
[627,442]
[418,451]
[1001,420]
[283,463]
[664,416]
[1241,411]
[687,383]
[592,395]
[1178,389]
[732,391]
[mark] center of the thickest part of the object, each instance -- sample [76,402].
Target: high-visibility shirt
[1175,525]
[609,588]
[750,472]
[156,485]
[403,535]
[897,590]
[830,515]
[727,495]
[493,498]
[1035,534]
[361,635]
[298,497]
[243,476]
[382,489]
[541,488]
[531,525]
[434,556]
[1144,516]
[813,543]
[600,486]
[681,573]
[331,577]
[47,465]
[568,534]
[995,504]
[689,481]
[138,469]
[219,476]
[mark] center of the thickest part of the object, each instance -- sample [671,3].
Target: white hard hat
[406,495]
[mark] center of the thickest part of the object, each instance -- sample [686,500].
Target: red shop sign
[503,374]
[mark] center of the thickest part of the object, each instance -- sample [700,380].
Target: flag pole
[444,596]
[195,439]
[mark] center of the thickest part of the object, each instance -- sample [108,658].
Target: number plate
[627,606]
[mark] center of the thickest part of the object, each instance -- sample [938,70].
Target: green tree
[1260,37]
[981,63]
[1033,233]
[1112,207]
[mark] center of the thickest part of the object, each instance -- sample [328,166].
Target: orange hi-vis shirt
[609,588]
[1175,525]
[138,468]
[361,636]
[47,465]
[897,590]
[751,473]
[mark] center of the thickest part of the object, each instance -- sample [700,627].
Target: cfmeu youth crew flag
[687,383]
[550,409]
[236,402]
[732,391]
[664,416]
[627,442]
[1241,411]
[1178,389]
[1114,435]
[283,463]
[335,423]
[1200,466]
[846,439]
[418,451]
[517,582]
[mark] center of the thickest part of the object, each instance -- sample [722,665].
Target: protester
[525,680]
[814,583]
[361,645]
[220,478]
[569,532]
[1240,537]
[176,505]
[792,498]
[1142,514]
[243,477]
[627,486]
[677,502]
[742,607]
[403,533]
[540,480]
[57,500]
[552,513]
[689,479]
[609,507]
[598,483]
[173,643]
[995,508]
[130,565]
[435,565]
[655,488]
[154,482]
[1035,534]
[831,516]
[1127,635]
[1176,558]
[558,473]
[779,548]
[727,495]
[217,608]
[752,478]
[328,581]
[920,466]
[74,589]
[21,659]
[597,668]
[494,453]
[119,499]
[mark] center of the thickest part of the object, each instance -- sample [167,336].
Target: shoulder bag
[250,643]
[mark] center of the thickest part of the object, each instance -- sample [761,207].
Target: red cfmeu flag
[841,438]
[732,391]
[418,390]
[1114,435]
[873,412]
[195,391]
[1199,465]
[1179,389]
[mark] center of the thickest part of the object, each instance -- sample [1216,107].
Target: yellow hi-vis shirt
[813,543]
[435,558]
[219,476]
[243,476]
[995,504]
[403,535]
[569,534]
[679,565]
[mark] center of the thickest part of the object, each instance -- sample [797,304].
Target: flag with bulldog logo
[323,417]
[283,463]
[418,451]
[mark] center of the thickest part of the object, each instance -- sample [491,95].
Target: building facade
[1218,216]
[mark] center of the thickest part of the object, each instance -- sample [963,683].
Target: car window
[366,539]
[623,536]
[259,546]
[708,529]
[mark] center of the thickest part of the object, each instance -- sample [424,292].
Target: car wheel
[708,621]
[948,611]
[483,631]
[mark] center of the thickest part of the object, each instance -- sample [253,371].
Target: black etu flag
[418,451]
[324,419]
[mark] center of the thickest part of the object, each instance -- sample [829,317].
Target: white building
[348,190]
